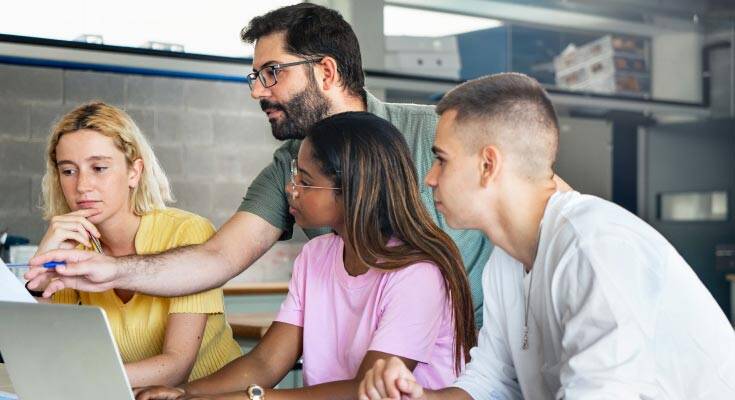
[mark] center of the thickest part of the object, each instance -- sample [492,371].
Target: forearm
[236,376]
[177,272]
[185,270]
[160,370]
[451,393]
[333,391]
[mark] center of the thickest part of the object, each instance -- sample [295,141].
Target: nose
[291,190]
[258,91]
[430,179]
[84,182]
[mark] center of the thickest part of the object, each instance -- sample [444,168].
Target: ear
[491,162]
[134,173]
[327,75]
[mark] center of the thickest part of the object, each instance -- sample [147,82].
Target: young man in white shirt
[583,300]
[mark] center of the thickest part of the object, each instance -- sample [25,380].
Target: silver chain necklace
[527,298]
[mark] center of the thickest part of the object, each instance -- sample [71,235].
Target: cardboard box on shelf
[607,65]
[605,47]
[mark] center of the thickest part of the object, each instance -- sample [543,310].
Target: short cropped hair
[511,111]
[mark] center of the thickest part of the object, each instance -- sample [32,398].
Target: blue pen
[49,265]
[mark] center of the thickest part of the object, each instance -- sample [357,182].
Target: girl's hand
[169,393]
[68,230]
[158,393]
[389,380]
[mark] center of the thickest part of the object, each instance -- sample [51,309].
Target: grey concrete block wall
[15,120]
[210,137]
[31,84]
[81,86]
[43,117]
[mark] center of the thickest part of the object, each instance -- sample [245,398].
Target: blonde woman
[103,183]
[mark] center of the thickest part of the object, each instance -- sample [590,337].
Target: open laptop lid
[55,351]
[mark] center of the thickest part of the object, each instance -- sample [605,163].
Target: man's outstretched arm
[177,272]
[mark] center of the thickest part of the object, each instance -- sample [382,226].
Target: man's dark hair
[514,110]
[314,31]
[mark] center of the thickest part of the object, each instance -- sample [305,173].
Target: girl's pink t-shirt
[404,312]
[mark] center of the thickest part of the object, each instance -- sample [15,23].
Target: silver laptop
[55,351]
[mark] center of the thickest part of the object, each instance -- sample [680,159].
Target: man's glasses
[295,173]
[268,75]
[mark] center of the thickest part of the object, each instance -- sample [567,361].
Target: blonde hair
[153,189]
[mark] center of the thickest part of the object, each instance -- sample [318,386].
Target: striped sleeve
[209,302]
[195,231]
[66,296]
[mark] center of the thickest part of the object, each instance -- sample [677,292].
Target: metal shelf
[562,98]
[72,55]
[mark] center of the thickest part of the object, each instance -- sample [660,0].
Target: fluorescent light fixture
[406,21]
[211,27]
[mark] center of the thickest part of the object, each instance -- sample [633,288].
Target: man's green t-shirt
[266,196]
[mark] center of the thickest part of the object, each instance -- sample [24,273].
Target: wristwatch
[256,392]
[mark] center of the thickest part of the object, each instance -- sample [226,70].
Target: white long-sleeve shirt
[615,313]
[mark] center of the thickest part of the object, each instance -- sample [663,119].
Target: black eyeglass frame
[274,68]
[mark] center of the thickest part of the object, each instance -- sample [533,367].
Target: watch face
[255,391]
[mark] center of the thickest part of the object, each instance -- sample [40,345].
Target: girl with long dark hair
[387,281]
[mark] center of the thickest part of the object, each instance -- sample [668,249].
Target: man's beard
[299,114]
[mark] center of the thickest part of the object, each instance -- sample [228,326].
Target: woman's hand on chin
[68,231]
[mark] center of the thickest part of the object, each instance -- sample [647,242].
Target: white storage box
[20,254]
[433,57]
[443,44]
[443,65]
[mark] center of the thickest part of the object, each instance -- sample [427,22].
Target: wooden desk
[250,325]
[255,288]
[5,385]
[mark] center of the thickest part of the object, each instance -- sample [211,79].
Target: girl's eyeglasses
[295,173]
